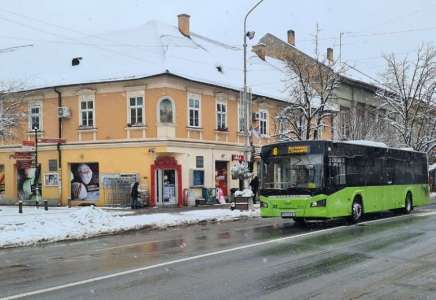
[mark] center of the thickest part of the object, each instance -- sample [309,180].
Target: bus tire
[300,222]
[356,210]
[408,204]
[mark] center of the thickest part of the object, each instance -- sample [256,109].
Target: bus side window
[337,170]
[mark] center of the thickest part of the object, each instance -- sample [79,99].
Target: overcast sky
[371,27]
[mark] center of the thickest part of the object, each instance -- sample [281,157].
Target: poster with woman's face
[85,181]
[27,176]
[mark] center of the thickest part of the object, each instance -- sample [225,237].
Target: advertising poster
[27,176]
[2,181]
[85,181]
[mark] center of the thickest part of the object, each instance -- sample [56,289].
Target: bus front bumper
[294,208]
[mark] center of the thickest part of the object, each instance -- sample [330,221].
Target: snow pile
[367,143]
[38,226]
[244,193]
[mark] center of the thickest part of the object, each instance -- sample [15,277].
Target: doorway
[166,187]
[221,176]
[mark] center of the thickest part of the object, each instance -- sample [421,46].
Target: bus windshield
[293,171]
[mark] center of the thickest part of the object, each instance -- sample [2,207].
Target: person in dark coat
[134,195]
[254,187]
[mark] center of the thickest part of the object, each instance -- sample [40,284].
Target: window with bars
[87,112]
[263,123]
[221,116]
[35,117]
[194,111]
[136,110]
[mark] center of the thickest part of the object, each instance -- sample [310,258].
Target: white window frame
[221,101]
[87,98]
[32,105]
[195,97]
[135,95]
[262,119]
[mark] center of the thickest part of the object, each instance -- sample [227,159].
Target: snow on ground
[38,226]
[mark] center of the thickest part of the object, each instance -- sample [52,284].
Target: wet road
[392,258]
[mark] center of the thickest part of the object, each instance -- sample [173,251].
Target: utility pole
[36,180]
[246,103]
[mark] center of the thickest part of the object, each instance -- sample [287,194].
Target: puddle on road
[291,274]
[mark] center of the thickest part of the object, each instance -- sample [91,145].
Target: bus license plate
[288,214]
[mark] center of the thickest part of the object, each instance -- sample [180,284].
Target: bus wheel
[300,222]
[356,210]
[408,204]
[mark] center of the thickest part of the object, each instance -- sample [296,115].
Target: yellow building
[164,112]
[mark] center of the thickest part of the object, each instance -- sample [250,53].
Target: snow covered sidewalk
[38,226]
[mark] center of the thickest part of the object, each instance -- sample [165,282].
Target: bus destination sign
[298,149]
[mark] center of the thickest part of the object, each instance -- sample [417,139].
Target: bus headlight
[319,203]
[263,204]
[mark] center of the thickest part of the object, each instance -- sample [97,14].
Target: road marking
[191,258]
[186,259]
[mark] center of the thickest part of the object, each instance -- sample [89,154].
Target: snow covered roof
[151,49]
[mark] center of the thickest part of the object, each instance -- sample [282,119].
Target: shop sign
[52,141]
[238,157]
[23,155]
[28,143]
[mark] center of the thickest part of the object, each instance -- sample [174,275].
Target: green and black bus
[324,180]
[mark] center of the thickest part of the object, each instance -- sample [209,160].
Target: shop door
[166,187]
[221,176]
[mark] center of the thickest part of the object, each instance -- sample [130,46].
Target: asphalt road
[391,258]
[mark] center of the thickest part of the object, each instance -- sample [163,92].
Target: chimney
[184,24]
[291,37]
[330,55]
[260,50]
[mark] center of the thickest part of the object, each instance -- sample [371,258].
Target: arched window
[166,114]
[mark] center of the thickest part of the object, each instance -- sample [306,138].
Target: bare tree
[11,113]
[363,122]
[311,82]
[409,97]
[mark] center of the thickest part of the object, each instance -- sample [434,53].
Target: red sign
[23,155]
[29,143]
[52,141]
[239,157]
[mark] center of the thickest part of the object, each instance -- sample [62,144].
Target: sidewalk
[37,226]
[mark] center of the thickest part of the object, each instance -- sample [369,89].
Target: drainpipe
[59,147]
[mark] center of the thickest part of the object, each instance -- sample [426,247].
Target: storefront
[166,182]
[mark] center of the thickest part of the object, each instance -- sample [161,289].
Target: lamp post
[246,103]
[35,129]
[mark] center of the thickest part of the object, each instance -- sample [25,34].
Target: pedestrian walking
[254,187]
[134,196]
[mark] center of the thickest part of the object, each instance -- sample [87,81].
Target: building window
[52,165]
[199,162]
[166,111]
[221,116]
[87,111]
[263,122]
[136,110]
[35,116]
[194,110]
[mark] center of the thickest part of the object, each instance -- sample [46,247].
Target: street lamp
[246,103]
[35,130]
